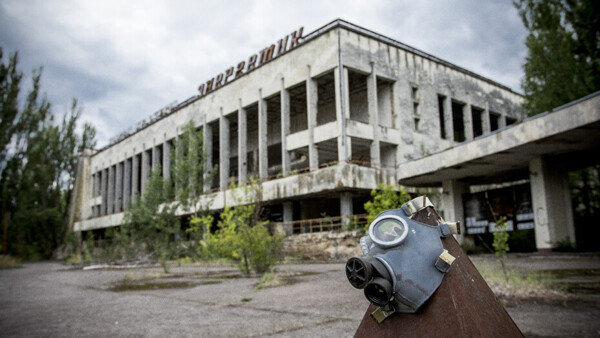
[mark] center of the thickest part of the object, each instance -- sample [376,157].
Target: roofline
[337,23]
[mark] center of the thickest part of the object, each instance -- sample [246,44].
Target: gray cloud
[125,60]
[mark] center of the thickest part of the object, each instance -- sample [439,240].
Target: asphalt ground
[50,299]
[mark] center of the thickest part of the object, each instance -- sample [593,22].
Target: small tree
[385,197]
[150,224]
[241,235]
[500,243]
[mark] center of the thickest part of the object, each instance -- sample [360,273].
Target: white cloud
[126,59]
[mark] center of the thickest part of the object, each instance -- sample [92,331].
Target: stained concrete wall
[380,116]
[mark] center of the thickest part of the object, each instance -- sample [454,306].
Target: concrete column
[166,159]
[346,101]
[224,151]
[340,84]
[452,203]
[285,127]
[449,123]
[502,121]
[110,203]
[551,201]
[346,207]
[208,149]
[242,145]
[263,156]
[468,120]
[373,115]
[104,192]
[288,218]
[145,170]
[127,183]
[485,119]
[178,158]
[312,101]
[119,188]
[135,177]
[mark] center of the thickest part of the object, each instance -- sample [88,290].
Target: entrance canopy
[568,136]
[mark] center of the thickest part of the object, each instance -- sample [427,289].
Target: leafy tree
[563,61]
[500,243]
[188,171]
[385,197]
[241,234]
[37,166]
[150,228]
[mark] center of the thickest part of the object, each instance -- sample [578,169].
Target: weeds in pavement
[9,262]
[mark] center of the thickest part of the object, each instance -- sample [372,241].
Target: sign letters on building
[254,61]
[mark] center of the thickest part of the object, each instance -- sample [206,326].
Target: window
[415,99]
[494,121]
[441,103]
[476,114]
[458,121]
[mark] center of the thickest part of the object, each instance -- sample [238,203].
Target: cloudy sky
[125,60]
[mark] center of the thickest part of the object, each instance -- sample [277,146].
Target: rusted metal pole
[463,305]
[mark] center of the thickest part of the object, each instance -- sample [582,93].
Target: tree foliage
[242,236]
[385,197]
[37,165]
[188,171]
[563,60]
[150,228]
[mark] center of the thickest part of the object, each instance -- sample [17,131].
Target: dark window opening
[458,121]
[441,102]
[476,114]
[494,121]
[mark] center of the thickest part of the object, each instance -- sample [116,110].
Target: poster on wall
[513,202]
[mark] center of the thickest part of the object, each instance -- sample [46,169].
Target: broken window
[494,121]
[458,121]
[476,114]
[441,104]
[357,88]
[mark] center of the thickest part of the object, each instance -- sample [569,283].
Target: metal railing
[326,223]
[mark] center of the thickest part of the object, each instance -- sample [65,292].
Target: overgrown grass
[9,262]
[533,284]
[271,279]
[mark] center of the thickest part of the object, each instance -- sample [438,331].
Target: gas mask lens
[388,231]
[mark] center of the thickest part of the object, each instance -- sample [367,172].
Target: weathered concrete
[358,106]
[242,149]
[452,204]
[551,201]
[312,99]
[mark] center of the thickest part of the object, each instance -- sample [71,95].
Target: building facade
[321,119]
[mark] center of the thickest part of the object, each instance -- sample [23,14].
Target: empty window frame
[415,106]
[494,121]
[441,104]
[458,122]
[477,120]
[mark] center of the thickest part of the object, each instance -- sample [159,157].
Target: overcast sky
[125,60]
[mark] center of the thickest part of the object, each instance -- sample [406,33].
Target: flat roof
[569,134]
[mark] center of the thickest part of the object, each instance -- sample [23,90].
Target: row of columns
[467,116]
[121,183]
[312,110]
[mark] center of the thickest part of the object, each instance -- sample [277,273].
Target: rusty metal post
[463,305]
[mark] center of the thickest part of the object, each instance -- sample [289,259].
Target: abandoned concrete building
[321,119]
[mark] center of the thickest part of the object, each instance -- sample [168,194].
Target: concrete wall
[380,118]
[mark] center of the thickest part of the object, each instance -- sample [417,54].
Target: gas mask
[404,261]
